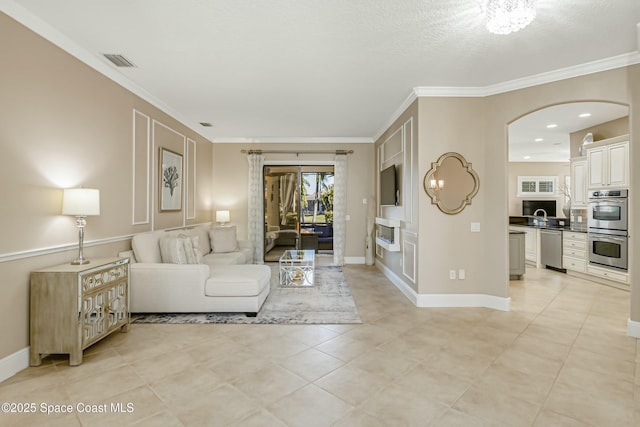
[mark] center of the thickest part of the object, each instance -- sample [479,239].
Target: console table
[74,306]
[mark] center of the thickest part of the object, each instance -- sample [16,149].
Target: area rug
[329,301]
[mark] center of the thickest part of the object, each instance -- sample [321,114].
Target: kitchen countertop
[552,223]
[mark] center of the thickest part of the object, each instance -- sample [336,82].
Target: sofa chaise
[195,270]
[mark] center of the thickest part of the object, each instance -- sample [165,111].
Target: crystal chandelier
[508,16]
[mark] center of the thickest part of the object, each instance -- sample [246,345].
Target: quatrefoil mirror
[451,183]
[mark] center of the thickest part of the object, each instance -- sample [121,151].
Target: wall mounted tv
[388,188]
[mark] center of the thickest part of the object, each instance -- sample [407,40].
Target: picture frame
[170,180]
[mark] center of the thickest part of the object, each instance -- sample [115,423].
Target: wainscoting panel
[407,172]
[190,179]
[141,168]
[409,255]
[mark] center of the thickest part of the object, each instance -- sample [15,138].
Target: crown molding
[600,65]
[397,113]
[295,140]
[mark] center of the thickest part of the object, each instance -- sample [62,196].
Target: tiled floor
[560,357]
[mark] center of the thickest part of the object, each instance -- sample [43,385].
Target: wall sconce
[81,202]
[222,217]
[436,184]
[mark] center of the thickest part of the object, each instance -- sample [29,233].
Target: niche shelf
[388,234]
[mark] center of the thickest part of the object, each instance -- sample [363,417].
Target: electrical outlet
[461,274]
[452,274]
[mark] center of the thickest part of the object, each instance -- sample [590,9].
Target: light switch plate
[475,227]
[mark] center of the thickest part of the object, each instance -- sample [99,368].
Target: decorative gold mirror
[451,183]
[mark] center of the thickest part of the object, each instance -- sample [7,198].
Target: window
[537,185]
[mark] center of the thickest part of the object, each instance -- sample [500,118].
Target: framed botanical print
[170,182]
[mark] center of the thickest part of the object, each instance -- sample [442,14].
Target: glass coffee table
[296,268]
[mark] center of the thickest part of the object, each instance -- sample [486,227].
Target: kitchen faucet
[544,213]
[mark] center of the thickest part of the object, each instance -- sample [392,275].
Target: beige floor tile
[102,386]
[607,365]
[190,381]
[344,348]
[530,387]
[262,418]
[162,419]
[548,418]
[459,363]
[595,409]
[309,407]
[221,406]
[311,364]
[162,365]
[359,418]
[397,406]
[311,335]
[38,419]
[497,406]
[384,364]
[529,363]
[454,418]
[269,384]
[236,364]
[435,385]
[594,382]
[352,385]
[541,347]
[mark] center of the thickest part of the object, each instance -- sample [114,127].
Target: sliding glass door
[298,208]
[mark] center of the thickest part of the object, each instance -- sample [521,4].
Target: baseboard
[354,260]
[14,363]
[407,290]
[446,300]
[464,300]
[633,328]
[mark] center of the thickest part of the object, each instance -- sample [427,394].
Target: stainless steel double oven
[608,228]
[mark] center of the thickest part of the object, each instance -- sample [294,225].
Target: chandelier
[508,16]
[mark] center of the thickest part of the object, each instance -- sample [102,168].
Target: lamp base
[80,262]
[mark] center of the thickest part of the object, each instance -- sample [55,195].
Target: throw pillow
[172,250]
[223,239]
[191,248]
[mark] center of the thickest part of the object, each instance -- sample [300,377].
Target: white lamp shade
[222,216]
[81,201]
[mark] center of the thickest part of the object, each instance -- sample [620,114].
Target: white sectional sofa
[221,280]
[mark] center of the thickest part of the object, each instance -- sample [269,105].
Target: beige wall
[231,171]
[602,131]
[561,170]
[65,125]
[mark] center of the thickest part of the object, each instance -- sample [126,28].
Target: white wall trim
[464,300]
[354,260]
[14,363]
[400,284]
[296,140]
[191,175]
[633,328]
[13,256]
[445,300]
[148,172]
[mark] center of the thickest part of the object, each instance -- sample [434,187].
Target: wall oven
[608,210]
[608,228]
[608,250]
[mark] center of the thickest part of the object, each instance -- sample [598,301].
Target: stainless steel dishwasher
[551,248]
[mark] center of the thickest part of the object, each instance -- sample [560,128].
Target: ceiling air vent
[205,124]
[119,60]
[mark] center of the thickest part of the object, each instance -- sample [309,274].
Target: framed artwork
[170,180]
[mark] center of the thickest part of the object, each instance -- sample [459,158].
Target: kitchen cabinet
[531,243]
[574,251]
[516,254]
[579,182]
[608,163]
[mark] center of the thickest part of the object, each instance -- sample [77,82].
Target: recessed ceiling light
[552,125]
[527,157]
[585,115]
[539,139]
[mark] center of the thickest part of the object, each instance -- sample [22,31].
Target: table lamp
[81,202]
[222,217]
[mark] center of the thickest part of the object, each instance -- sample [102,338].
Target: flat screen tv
[388,189]
[530,206]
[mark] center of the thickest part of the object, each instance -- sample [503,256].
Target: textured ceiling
[323,69]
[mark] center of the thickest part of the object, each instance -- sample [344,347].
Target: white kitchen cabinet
[574,251]
[579,182]
[608,163]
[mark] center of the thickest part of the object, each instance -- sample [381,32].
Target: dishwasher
[551,248]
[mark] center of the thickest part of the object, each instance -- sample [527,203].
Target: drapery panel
[339,208]
[256,206]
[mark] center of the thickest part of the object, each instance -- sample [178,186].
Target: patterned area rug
[329,301]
